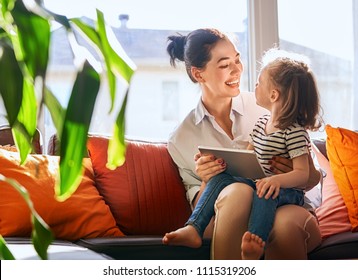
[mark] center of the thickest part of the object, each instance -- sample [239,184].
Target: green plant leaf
[38,8]
[11,90]
[87,30]
[116,145]
[115,64]
[25,126]
[7,5]
[41,233]
[119,64]
[56,110]
[30,37]
[75,130]
[5,253]
[34,39]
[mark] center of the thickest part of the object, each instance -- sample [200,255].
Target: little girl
[287,88]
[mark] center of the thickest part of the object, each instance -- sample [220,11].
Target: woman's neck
[220,109]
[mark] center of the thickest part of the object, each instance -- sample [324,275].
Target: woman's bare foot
[252,246]
[185,236]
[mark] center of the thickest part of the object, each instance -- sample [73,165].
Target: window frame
[264,34]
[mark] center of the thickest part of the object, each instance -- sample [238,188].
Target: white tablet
[243,163]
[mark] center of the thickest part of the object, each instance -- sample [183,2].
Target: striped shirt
[291,142]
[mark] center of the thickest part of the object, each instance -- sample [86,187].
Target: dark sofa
[147,199]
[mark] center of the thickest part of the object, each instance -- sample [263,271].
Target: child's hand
[268,187]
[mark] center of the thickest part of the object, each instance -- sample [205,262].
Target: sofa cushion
[145,194]
[83,215]
[332,214]
[342,149]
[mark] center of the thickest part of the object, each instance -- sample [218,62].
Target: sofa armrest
[321,145]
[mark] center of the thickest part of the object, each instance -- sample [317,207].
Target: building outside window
[170,101]
[161,96]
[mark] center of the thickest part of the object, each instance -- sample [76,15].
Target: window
[323,30]
[170,101]
[160,96]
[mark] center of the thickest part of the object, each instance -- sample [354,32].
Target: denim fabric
[204,209]
[263,210]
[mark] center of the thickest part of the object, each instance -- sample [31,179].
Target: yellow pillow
[342,150]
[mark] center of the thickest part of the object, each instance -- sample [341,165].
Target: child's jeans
[262,211]
[204,209]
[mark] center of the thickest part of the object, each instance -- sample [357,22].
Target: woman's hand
[314,176]
[208,166]
[281,165]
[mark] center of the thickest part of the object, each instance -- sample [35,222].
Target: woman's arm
[281,165]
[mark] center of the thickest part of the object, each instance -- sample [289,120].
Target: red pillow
[84,215]
[145,194]
[332,214]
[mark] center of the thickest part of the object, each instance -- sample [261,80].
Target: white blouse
[200,128]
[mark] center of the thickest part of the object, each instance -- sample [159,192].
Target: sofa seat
[144,247]
[136,204]
[22,249]
[339,246]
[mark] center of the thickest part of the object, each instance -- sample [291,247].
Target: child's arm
[250,147]
[298,177]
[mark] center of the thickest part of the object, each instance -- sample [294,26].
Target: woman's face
[221,76]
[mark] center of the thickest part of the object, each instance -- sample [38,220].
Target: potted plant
[25,34]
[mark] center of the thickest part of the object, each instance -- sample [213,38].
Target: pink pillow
[332,214]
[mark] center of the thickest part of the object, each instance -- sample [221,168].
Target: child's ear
[274,95]
[196,73]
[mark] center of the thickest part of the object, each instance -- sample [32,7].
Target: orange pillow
[145,194]
[83,215]
[332,214]
[342,150]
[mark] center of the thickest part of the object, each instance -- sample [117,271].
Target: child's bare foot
[252,246]
[185,236]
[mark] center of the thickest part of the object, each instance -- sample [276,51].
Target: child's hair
[291,74]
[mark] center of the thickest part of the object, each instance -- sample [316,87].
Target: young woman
[287,88]
[225,117]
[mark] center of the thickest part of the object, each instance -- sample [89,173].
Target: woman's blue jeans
[262,211]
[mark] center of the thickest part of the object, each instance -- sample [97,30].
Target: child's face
[262,90]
